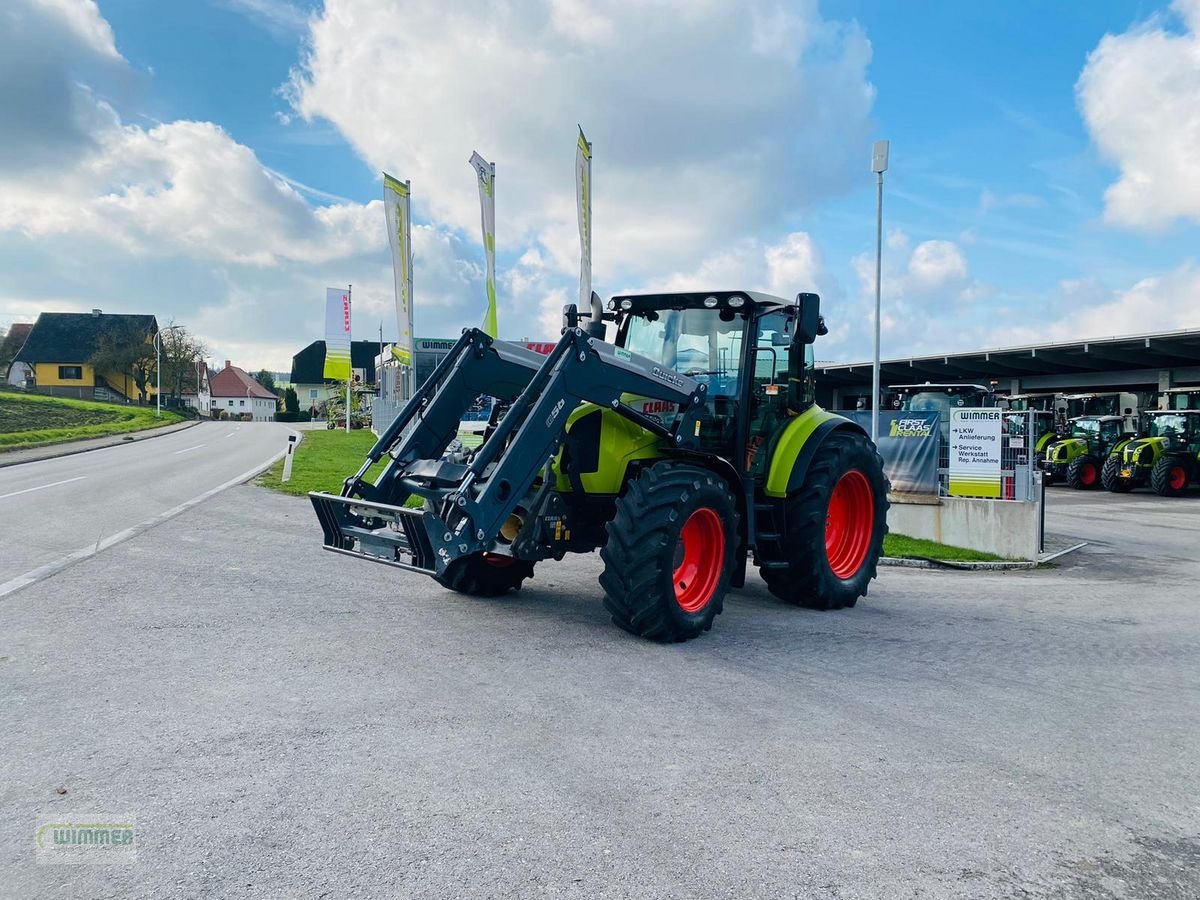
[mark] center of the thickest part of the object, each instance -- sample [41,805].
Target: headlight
[626,304]
[710,302]
[735,302]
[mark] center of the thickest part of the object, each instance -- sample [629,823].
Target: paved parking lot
[285,722]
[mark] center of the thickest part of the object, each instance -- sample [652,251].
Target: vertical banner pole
[486,173]
[397,205]
[350,377]
[583,198]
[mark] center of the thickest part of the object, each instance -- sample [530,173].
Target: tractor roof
[695,300]
[1173,412]
[1097,419]
[948,388]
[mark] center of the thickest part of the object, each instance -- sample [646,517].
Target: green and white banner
[975,452]
[583,199]
[337,334]
[397,206]
[487,213]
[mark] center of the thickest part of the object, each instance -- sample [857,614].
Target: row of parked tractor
[1118,441]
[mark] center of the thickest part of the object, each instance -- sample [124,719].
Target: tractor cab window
[1170,427]
[703,343]
[1085,429]
[1110,431]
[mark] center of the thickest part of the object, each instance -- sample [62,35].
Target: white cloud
[936,263]
[1140,98]
[82,18]
[710,120]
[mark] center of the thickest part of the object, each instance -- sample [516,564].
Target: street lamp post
[879,164]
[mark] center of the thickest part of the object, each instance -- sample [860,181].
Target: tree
[126,350]
[180,351]
[267,380]
[291,403]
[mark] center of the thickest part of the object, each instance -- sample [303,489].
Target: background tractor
[1167,458]
[1093,426]
[685,447]
[1079,458]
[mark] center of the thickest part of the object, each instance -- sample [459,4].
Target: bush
[305,416]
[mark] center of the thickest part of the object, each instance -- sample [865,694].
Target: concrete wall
[1005,527]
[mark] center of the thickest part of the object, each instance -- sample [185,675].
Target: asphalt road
[284,722]
[60,508]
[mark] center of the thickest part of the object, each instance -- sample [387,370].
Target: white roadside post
[879,164]
[287,460]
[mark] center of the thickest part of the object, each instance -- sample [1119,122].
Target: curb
[923,563]
[54,451]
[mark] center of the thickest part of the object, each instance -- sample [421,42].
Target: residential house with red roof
[235,393]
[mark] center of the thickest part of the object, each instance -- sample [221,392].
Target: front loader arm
[466,505]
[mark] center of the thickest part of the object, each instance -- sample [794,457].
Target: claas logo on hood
[910,428]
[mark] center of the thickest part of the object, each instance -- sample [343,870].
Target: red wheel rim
[1178,478]
[849,524]
[1087,474]
[699,556]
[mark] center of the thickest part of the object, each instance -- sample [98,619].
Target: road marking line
[190,449]
[231,434]
[42,487]
[33,576]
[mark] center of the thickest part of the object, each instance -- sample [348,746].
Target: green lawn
[323,461]
[33,420]
[904,547]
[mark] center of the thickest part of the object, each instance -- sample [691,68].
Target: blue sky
[220,165]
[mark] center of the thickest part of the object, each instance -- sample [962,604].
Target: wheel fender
[798,446]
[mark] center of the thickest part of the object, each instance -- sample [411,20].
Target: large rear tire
[834,527]
[1083,473]
[669,553]
[485,574]
[1170,477]
[1110,476]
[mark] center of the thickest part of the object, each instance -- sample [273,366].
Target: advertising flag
[583,198]
[397,207]
[337,334]
[487,212]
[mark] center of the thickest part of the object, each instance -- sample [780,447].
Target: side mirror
[809,324]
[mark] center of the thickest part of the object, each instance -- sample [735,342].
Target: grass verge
[903,547]
[34,420]
[323,461]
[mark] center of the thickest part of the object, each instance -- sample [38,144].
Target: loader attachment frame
[465,504]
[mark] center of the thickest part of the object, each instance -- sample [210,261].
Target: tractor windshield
[1085,428]
[703,343]
[1171,427]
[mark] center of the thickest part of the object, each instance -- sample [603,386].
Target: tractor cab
[1179,398]
[742,346]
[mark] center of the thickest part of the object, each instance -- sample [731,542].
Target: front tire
[669,553]
[485,574]
[1170,477]
[1110,477]
[833,527]
[1083,473]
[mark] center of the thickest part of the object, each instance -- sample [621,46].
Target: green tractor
[1079,458]
[685,447]
[1167,458]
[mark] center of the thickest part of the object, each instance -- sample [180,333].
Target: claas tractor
[1079,458]
[1167,457]
[685,447]
[1093,427]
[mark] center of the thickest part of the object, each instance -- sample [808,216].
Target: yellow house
[61,345]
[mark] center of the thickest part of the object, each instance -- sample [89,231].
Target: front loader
[1167,457]
[685,447]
